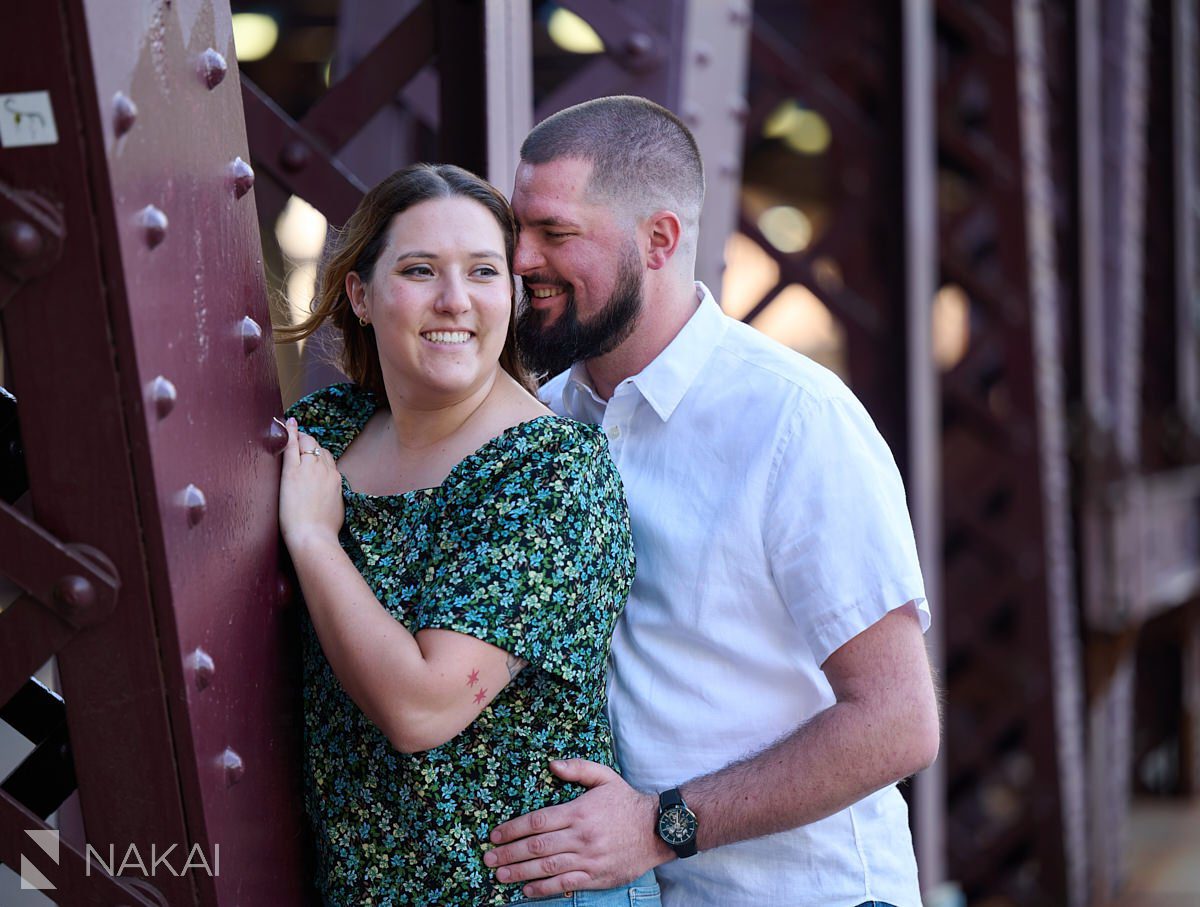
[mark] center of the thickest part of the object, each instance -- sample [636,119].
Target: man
[769,682]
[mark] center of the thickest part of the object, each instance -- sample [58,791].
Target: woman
[463,561]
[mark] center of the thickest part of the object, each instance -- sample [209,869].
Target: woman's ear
[664,234]
[357,292]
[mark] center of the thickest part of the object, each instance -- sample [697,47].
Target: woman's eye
[486,271]
[418,271]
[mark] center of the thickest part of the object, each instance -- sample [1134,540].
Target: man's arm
[883,727]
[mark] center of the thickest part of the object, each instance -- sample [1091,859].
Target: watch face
[676,825]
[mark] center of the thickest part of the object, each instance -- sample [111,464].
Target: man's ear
[664,234]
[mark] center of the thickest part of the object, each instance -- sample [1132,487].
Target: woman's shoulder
[333,412]
[552,440]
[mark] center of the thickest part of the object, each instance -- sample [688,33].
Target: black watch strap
[673,800]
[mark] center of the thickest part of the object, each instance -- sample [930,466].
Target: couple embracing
[690,542]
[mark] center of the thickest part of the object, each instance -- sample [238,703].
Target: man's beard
[549,349]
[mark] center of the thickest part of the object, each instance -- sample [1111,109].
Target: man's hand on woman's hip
[601,839]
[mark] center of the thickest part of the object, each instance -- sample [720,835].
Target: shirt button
[613,432]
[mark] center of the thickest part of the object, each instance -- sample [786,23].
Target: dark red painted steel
[296,160]
[79,591]
[60,359]
[302,156]
[206,470]
[1013,712]
[158,275]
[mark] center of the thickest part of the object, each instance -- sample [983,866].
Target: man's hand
[601,839]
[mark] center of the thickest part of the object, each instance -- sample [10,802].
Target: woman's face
[439,300]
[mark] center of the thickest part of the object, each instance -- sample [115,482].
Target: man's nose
[526,258]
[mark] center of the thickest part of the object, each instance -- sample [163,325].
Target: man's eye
[550,235]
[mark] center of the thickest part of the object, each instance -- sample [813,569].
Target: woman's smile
[447,338]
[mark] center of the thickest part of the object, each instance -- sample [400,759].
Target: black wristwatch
[676,823]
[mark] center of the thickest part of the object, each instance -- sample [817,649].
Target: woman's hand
[310,491]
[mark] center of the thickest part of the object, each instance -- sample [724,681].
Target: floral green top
[525,545]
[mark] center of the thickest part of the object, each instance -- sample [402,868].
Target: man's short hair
[641,153]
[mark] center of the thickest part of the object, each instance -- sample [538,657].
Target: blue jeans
[641,892]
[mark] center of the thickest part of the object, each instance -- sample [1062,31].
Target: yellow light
[300,230]
[573,34]
[951,324]
[254,35]
[797,318]
[788,229]
[803,130]
[750,273]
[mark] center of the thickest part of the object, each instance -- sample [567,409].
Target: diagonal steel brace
[74,581]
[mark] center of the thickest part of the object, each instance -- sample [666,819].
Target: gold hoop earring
[362,321]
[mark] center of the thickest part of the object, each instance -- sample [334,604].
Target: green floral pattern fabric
[525,545]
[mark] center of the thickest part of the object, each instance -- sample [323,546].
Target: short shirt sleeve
[533,552]
[332,415]
[838,532]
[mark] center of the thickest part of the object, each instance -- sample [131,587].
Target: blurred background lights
[951,326]
[300,232]
[254,35]
[788,229]
[572,33]
[801,129]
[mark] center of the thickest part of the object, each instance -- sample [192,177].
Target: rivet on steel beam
[739,14]
[74,593]
[20,240]
[739,109]
[729,168]
[243,177]
[154,225]
[638,45]
[202,667]
[162,392]
[691,115]
[213,68]
[196,505]
[295,156]
[703,55]
[276,438]
[124,113]
[235,769]
[252,335]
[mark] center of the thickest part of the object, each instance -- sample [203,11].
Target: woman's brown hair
[359,245]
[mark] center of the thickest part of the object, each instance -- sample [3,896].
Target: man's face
[580,264]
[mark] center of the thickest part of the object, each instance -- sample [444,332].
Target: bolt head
[295,156]
[213,68]
[163,393]
[75,593]
[20,241]
[154,225]
[124,113]
[242,175]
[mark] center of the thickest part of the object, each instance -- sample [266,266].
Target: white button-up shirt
[770,526]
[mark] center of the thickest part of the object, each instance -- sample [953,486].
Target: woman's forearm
[374,656]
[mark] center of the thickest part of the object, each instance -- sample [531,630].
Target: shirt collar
[664,382]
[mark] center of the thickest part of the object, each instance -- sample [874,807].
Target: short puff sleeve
[533,554]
